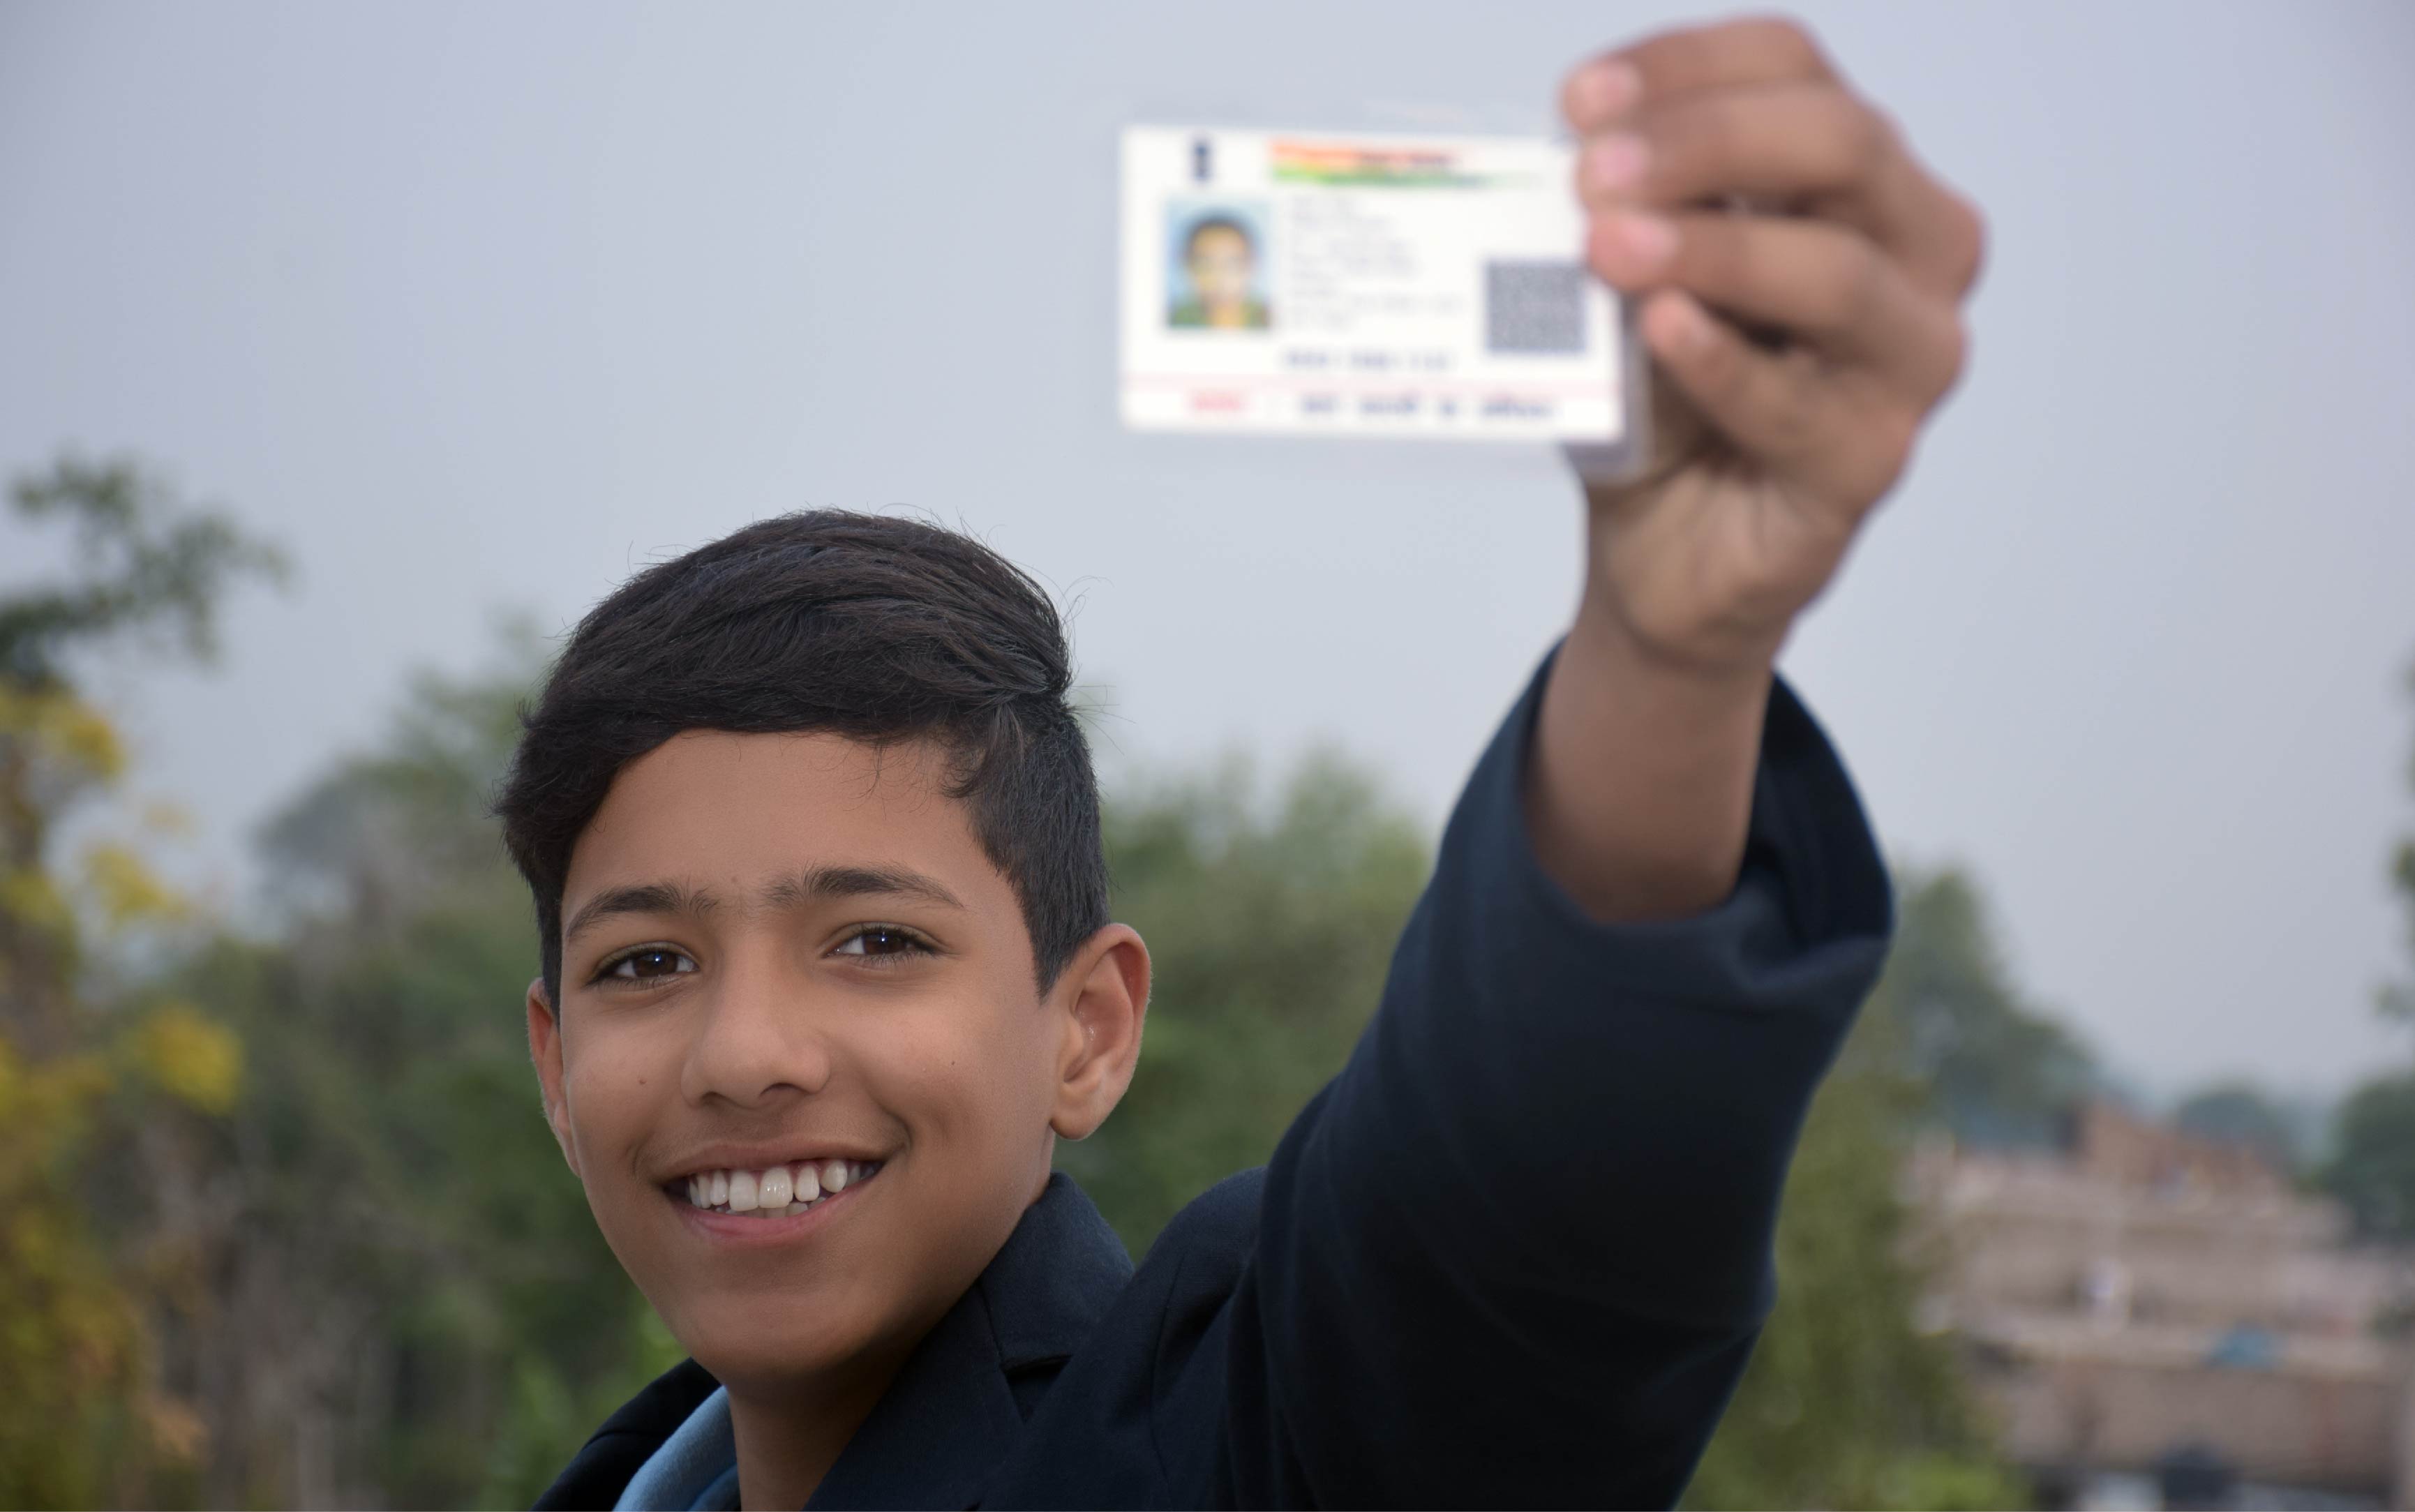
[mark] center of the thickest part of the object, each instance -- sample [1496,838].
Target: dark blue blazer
[1516,1253]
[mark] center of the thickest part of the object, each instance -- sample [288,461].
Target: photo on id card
[1366,284]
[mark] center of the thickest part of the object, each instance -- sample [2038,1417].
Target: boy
[1222,263]
[814,842]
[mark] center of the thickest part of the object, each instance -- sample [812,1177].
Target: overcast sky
[477,307]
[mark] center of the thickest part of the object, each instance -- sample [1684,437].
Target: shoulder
[1136,1414]
[1193,1268]
[1220,1223]
[596,1475]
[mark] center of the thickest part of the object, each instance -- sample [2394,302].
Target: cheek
[610,1081]
[968,1074]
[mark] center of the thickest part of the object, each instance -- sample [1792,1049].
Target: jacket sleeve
[1516,1253]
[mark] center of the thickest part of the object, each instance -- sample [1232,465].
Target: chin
[745,1349]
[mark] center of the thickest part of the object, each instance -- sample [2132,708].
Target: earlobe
[1104,994]
[545,1049]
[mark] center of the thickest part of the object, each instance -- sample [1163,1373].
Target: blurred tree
[1270,924]
[2398,998]
[2241,1112]
[2372,1168]
[93,1073]
[1847,1401]
[1995,1071]
[423,1312]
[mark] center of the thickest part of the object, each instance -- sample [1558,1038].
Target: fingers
[1762,50]
[1845,443]
[1734,180]
[1823,283]
[1753,110]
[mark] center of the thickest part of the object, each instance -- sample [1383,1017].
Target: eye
[648,962]
[882,940]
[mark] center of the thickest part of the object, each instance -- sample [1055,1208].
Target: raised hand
[1801,277]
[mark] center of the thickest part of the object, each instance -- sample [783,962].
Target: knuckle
[1858,287]
[1786,37]
[1867,138]
[1956,357]
[1706,139]
[1712,256]
[1970,241]
[1893,435]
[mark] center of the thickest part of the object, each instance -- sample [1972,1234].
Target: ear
[1102,997]
[545,1048]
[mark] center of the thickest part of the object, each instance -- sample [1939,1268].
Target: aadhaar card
[1310,282]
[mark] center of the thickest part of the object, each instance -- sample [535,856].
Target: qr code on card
[1534,306]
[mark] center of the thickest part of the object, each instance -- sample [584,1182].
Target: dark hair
[875,628]
[1218,221]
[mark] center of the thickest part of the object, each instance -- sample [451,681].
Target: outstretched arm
[1734,185]
[1518,1252]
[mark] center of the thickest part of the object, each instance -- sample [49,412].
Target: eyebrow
[812,884]
[825,882]
[644,898]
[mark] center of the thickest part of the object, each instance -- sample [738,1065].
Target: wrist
[1640,791]
[1702,658]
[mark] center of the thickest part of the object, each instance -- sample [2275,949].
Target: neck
[790,1434]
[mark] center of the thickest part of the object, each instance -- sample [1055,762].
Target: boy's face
[787,949]
[1221,265]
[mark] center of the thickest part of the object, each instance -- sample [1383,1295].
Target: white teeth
[773,1190]
[776,1193]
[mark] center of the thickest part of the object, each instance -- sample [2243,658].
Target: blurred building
[2158,1319]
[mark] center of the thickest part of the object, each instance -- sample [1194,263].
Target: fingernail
[1646,240]
[1603,90]
[1615,163]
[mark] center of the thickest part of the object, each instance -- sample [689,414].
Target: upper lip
[759,1157]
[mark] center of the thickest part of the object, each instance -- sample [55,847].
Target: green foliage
[2398,998]
[91,1075]
[1847,1402]
[1996,1071]
[2372,1168]
[70,1335]
[2241,1112]
[436,1257]
[410,1304]
[1269,923]
[144,563]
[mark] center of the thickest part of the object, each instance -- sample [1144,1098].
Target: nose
[755,1041]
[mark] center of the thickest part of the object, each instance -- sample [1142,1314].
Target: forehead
[710,808]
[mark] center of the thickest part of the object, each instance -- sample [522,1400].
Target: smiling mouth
[774,1192]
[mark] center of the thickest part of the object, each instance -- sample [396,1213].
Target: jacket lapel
[951,1418]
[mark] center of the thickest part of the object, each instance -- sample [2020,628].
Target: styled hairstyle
[1217,221]
[878,629]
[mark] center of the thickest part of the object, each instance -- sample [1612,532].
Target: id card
[1317,283]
